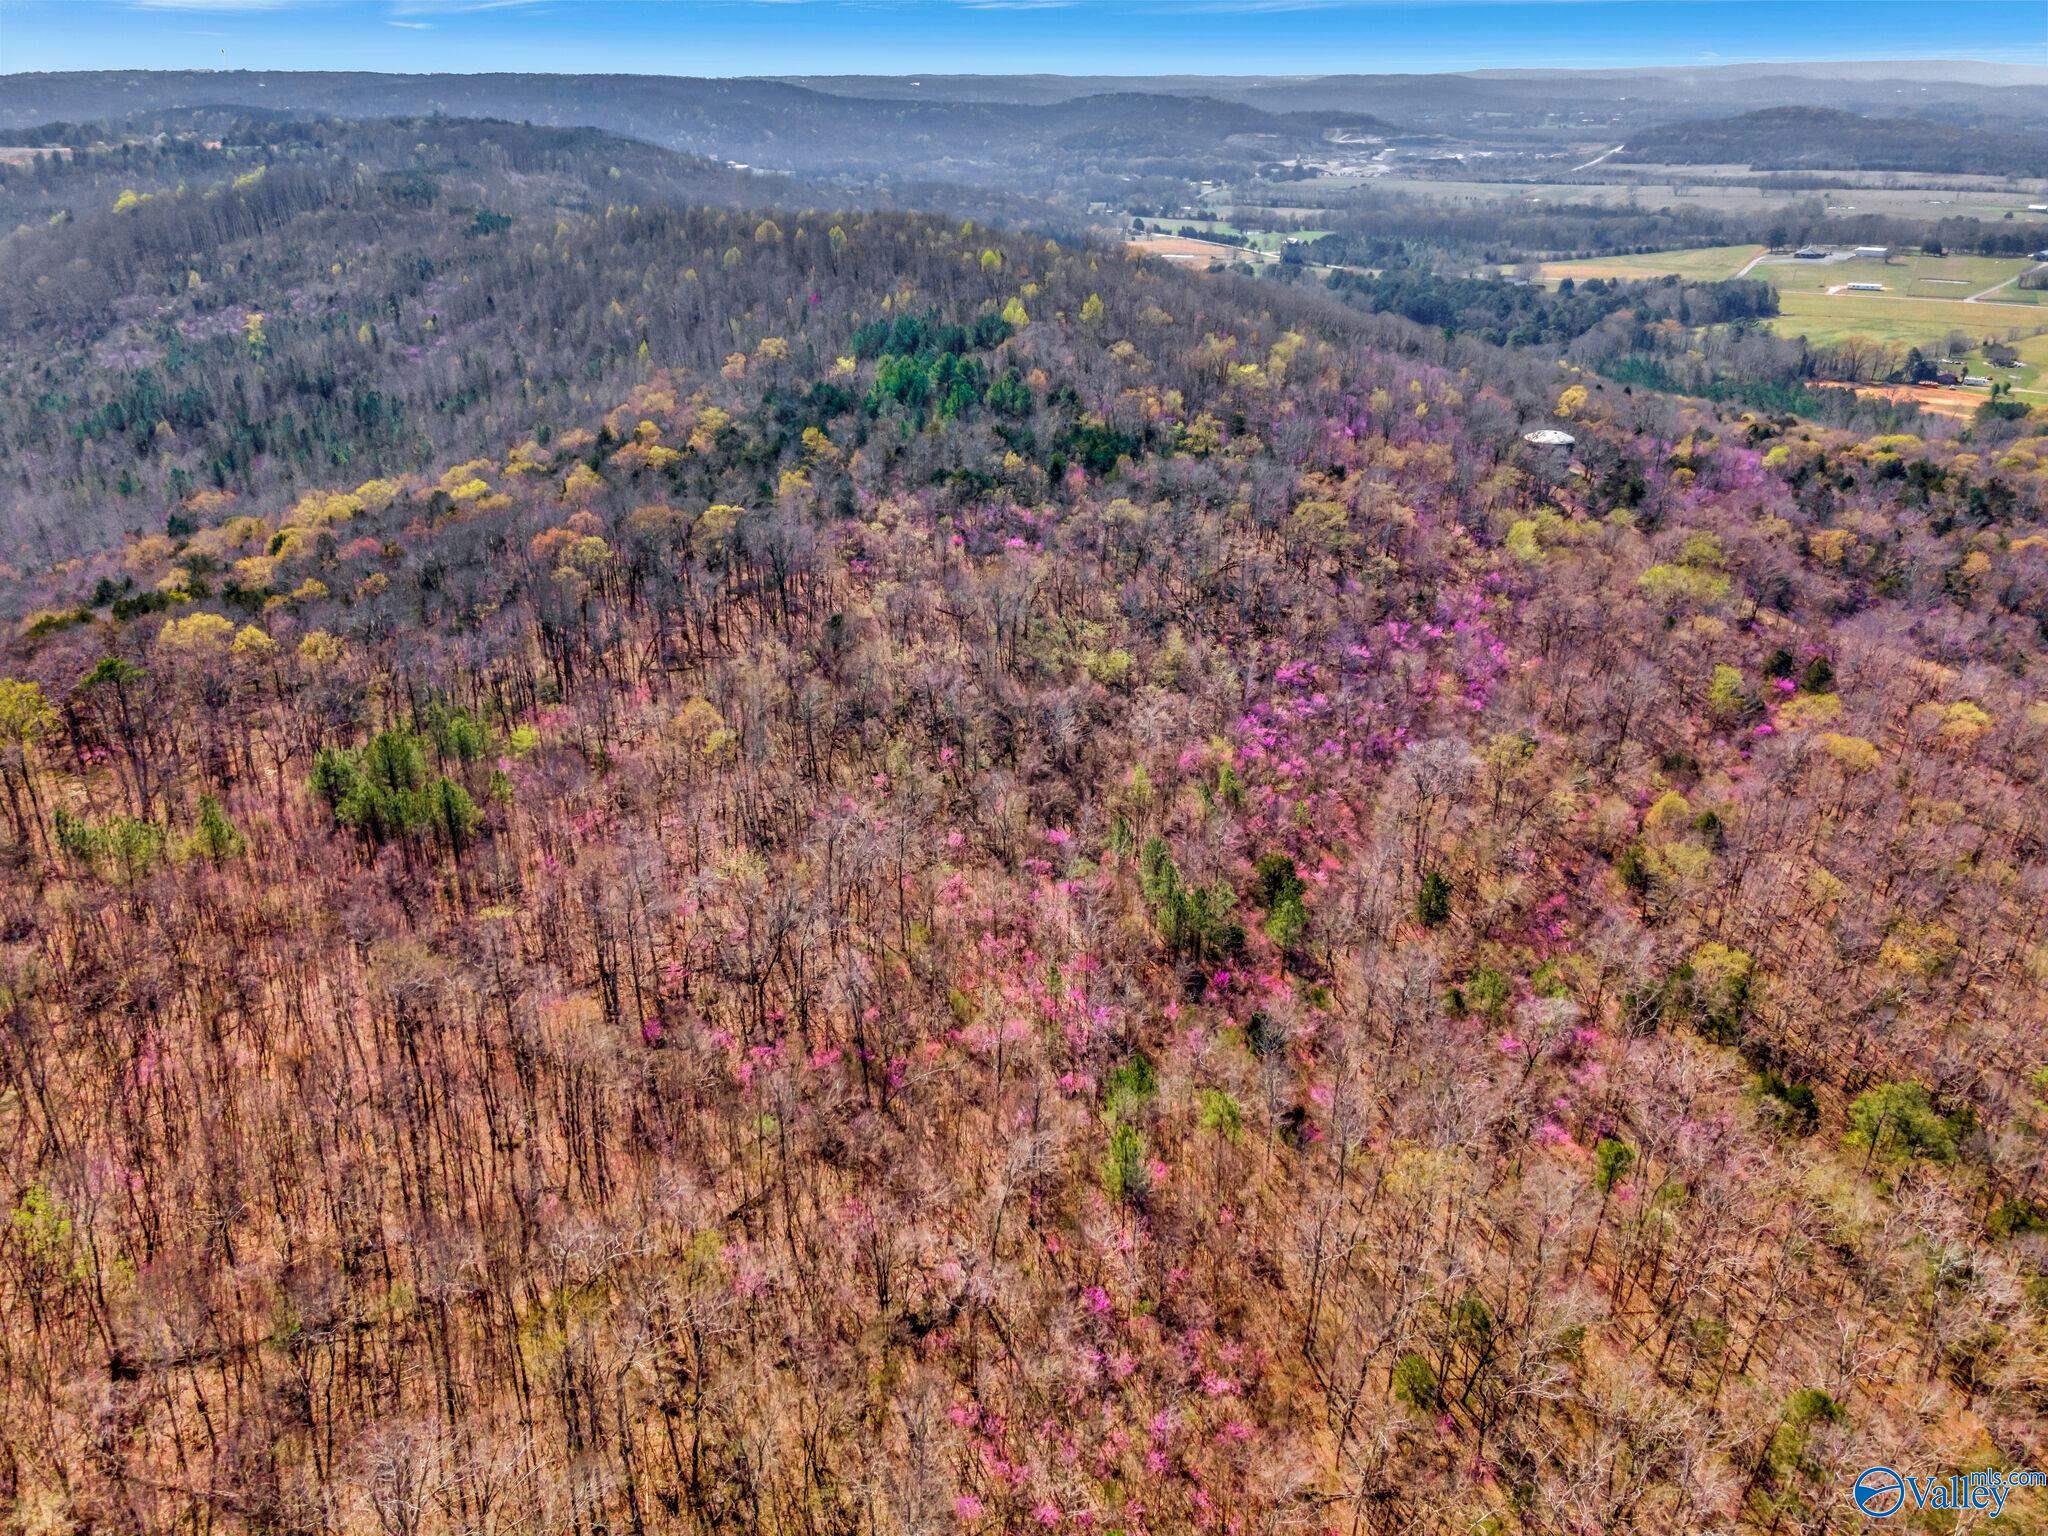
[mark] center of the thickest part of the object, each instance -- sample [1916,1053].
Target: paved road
[1977,298]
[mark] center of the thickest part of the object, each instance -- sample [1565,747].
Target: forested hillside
[849,872]
[809,111]
[412,291]
[763,122]
[1795,138]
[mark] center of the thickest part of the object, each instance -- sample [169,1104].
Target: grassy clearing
[1267,240]
[1913,276]
[1706,264]
[2032,379]
[1274,239]
[1950,277]
[1830,317]
[1206,226]
[1824,319]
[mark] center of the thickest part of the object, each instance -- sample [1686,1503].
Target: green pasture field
[1275,239]
[1268,240]
[2032,380]
[1913,276]
[1823,318]
[1705,264]
[1945,277]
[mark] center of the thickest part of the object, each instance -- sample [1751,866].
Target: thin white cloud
[1264,7]
[455,7]
[211,5]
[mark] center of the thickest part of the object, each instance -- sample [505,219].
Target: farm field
[2032,380]
[1956,404]
[1704,264]
[1913,202]
[1939,277]
[1924,323]
[1916,276]
[1182,251]
[1920,276]
[1273,240]
[1267,240]
[1928,195]
[1829,317]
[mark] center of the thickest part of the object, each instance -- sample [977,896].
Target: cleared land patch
[1957,404]
[1704,264]
[1270,241]
[1182,251]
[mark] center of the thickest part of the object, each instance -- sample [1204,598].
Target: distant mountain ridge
[772,123]
[1992,91]
[1824,138]
[800,123]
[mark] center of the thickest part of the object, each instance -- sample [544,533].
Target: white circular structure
[1549,437]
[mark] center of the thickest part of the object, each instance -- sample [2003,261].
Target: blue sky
[727,37]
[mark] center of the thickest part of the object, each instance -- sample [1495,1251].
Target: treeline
[1794,138]
[1383,230]
[1663,334]
[1518,314]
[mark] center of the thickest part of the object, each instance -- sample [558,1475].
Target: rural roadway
[1978,298]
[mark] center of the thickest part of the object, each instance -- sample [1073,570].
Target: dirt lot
[1182,251]
[1935,399]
